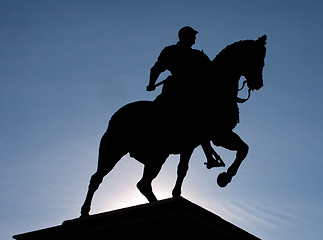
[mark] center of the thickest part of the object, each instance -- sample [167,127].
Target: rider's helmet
[186,32]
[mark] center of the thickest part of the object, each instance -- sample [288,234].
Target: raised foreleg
[232,142]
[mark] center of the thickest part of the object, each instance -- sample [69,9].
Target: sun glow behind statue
[118,189]
[133,199]
[68,66]
[128,197]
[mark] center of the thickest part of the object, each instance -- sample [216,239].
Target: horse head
[253,66]
[243,58]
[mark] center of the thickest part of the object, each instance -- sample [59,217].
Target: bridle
[241,100]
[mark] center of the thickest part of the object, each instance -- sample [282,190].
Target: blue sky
[67,66]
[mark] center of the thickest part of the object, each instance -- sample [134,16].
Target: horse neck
[226,79]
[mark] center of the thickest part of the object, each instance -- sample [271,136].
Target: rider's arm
[157,69]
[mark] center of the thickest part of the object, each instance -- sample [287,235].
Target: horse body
[143,130]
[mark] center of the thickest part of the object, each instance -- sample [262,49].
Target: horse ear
[262,40]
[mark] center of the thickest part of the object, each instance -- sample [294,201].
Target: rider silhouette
[185,64]
[178,96]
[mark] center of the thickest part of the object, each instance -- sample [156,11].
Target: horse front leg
[182,169]
[235,143]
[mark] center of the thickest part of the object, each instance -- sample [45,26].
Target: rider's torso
[183,63]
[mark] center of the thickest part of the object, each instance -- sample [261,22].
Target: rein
[160,83]
[241,100]
[244,83]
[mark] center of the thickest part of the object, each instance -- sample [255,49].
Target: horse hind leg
[151,171]
[109,155]
[181,172]
[95,181]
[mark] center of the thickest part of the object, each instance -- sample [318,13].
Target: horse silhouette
[142,130]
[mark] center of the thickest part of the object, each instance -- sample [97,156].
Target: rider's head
[187,35]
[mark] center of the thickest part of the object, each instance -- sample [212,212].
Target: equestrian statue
[198,105]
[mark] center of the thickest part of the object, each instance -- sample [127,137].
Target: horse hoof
[85,211]
[223,179]
[176,193]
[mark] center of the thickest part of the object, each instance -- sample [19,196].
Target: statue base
[174,218]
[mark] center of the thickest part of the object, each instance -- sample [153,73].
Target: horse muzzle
[255,85]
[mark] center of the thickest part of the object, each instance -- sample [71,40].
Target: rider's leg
[213,159]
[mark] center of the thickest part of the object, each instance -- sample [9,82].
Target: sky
[67,66]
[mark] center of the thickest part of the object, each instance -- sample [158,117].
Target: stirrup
[214,163]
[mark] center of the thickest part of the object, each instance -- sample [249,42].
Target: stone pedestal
[175,218]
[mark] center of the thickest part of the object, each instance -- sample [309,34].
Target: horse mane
[232,58]
[233,51]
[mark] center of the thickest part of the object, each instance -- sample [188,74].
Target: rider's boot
[217,162]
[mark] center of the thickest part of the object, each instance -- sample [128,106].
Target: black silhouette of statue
[184,63]
[198,105]
[187,66]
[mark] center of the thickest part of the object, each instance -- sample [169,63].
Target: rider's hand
[150,88]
